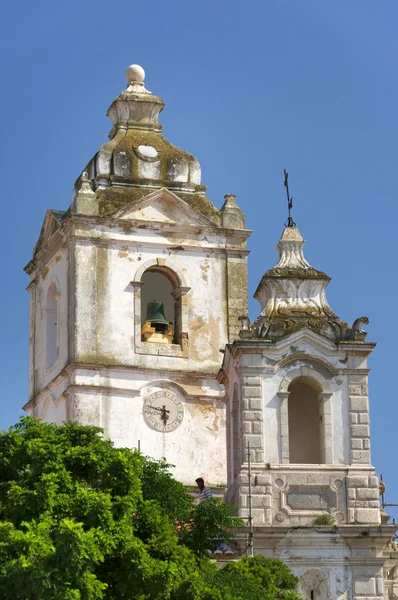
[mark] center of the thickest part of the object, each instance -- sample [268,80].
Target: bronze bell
[155,314]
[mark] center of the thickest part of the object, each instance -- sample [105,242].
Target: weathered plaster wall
[110,368]
[326,570]
[113,399]
[196,447]
[105,300]
[56,272]
[339,563]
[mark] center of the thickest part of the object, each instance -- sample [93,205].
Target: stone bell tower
[297,389]
[140,231]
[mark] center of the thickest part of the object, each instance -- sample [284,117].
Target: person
[204,491]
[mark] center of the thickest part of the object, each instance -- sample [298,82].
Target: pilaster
[359,420]
[284,426]
[252,402]
[326,399]
[363,498]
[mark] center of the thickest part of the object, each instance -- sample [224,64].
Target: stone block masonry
[359,420]
[253,417]
[363,499]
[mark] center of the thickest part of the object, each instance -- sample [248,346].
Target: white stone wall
[110,368]
[56,272]
[287,493]
[113,400]
[105,325]
[332,563]
[320,560]
[196,447]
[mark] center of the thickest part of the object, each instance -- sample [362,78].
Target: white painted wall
[39,374]
[105,306]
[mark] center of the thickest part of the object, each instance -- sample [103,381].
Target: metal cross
[289,222]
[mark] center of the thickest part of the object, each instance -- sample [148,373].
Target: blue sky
[250,89]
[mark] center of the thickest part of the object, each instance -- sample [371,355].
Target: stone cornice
[72,367]
[259,345]
[106,243]
[65,234]
[362,532]
[130,224]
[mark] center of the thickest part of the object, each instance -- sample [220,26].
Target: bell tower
[297,389]
[133,291]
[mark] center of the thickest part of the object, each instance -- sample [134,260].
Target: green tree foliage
[258,578]
[83,520]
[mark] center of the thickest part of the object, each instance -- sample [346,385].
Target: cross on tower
[289,222]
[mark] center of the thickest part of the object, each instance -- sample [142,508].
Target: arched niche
[163,279]
[52,325]
[157,286]
[306,433]
[305,423]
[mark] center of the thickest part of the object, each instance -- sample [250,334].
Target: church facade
[139,325]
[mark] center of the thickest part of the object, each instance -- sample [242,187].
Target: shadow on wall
[305,424]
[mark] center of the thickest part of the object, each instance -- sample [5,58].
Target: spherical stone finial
[135,73]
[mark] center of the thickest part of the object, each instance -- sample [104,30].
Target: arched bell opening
[305,418]
[162,281]
[159,308]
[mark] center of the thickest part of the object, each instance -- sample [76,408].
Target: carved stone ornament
[293,297]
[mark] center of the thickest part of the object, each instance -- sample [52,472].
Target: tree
[258,578]
[83,520]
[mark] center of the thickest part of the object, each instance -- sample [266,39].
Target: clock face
[163,411]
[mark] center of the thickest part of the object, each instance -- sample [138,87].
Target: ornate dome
[138,159]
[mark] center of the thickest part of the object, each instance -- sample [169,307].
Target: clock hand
[164,413]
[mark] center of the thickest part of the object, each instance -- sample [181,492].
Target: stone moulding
[309,499]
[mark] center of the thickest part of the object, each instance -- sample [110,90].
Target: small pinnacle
[135,74]
[230,200]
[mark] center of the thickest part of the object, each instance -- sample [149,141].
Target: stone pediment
[163,207]
[52,222]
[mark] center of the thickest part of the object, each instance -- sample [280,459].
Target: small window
[52,325]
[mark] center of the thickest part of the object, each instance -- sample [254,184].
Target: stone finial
[291,255]
[231,214]
[136,107]
[230,200]
[85,183]
[293,295]
[138,152]
[135,74]
[84,200]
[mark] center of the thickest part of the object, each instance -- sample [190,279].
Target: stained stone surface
[305,497]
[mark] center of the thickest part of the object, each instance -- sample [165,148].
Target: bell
[155,313]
